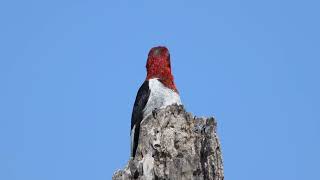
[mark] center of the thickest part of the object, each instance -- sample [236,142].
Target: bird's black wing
[137,114]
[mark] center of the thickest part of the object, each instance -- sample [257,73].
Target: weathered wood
[175,145]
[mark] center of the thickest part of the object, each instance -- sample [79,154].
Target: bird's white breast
[160,97]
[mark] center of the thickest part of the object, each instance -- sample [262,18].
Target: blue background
[70,70]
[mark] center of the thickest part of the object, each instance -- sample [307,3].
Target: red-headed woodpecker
[157,91]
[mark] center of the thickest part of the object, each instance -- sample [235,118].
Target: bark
[175,145]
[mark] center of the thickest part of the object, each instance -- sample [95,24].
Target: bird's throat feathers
[159,66]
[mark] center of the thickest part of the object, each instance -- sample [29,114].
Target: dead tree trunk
[177,146]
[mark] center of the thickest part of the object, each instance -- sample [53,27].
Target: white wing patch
[132,138]
[160,97]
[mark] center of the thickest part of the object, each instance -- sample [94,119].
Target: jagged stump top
[175,145]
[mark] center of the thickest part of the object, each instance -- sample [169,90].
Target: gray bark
[175,145]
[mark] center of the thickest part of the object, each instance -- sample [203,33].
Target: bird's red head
[159,66]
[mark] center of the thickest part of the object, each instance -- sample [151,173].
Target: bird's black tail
[135,135]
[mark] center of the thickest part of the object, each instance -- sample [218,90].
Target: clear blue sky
[70,70]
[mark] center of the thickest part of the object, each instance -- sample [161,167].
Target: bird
[157,91]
